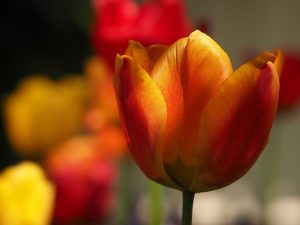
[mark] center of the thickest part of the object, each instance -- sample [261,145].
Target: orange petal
[166,74]
[188,73]
[139,53]
[236,124]
[279,61]
[276,57]
[155,51]
[145,57]
[143,115]
[206,66]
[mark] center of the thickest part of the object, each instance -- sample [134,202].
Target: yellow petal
[236,124]
[143,114]
[24,191]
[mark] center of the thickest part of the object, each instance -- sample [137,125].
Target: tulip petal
[206,66]
[155,51]
[145,57]
[143,115]
[166,74]
[279,61]
[188,74]
[236,124]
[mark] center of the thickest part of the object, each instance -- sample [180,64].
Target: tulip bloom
[290,81]
[102,118]
[117,21]
[83,179]
[103,109]
[191,122]
[26,196]
[41,112]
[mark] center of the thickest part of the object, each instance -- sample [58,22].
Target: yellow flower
[41,112]
[26,196]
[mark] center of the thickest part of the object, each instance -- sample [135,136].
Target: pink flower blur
[83,180]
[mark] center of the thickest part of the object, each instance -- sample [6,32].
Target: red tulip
[117,21]
[290,81]
[191,122]
[83,181]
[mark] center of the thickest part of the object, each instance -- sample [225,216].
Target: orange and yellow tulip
[191,122]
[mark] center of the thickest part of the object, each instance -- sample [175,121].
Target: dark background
[48,37]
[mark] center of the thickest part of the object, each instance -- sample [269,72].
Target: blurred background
[57,107]
[49,37]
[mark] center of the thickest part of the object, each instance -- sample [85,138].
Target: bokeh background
[53,37]
[40,37]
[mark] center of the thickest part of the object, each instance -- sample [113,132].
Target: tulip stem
[187,207]
[156,208]
[124,191]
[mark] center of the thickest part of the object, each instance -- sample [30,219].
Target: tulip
[41,112]
[83,178]
[101,118]
[191,123]
[289,94]
[26,195]
[103,108]
[117,21]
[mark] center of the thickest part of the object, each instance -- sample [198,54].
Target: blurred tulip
[190,122]
[111,142]
[103,122]
[104,108]
[118,21]
[83,180]
[290,81]
[102,118]
[26,196]
[41,112]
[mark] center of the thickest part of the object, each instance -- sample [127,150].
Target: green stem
[124,191]
[187,207]
[155,203]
